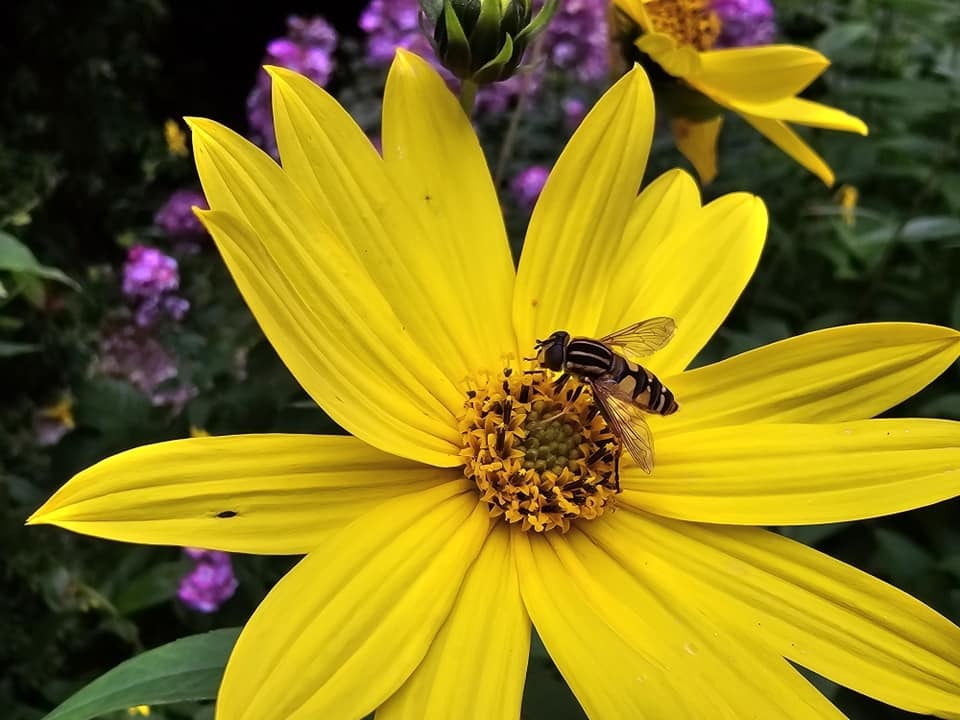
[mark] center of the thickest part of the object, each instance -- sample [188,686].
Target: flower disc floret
[539,451]
[691,22]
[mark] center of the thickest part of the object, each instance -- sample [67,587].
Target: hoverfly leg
[551,418]
[559,383]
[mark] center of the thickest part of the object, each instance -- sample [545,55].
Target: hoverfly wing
[643,338]
[626,421]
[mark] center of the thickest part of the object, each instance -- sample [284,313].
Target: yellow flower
[176,138]
[847,197]
[139,711]
[758,83]
[387,287]
[61,411]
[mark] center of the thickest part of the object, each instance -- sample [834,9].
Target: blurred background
[119,325]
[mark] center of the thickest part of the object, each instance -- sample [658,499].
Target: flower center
[539,453]
[691,22]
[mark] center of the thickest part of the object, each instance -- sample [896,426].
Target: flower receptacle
[484,41]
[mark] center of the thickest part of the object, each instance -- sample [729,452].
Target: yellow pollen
[691,22]
[540,454]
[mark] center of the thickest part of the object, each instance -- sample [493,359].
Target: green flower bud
[483,41]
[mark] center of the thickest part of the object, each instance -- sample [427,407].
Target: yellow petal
[757,74]
[698,143]
[600,667]
[432,151]
[844,373]
[328,156]
[349,624]
[627,654]
[266,494]
[696,651]
[799,474]
[635,10]
[665,209]
[781,135]
[669,202]
[696,275]
[351,360]
[477,663]
[818,612]
[581,214]
[803,112]
[678,59]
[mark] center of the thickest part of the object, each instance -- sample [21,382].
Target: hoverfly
[622,389]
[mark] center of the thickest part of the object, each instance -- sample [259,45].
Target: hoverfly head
[552,351]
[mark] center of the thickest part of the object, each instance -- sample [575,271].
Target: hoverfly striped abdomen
[643,387]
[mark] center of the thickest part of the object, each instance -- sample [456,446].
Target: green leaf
[539,22]
[16,257]
[812,534]
[432,9]
[918,229]
[111,405]
[158,584]
[836,41]
[951,565]
[9,349]
[187,669]
[900,556]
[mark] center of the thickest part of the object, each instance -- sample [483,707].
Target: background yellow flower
[759,83]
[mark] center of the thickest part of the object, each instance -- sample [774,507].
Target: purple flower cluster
[308,49]
[576,39]
[528,185]
[175,217]
[745,22]
[211,582]
[129,353]
[150,280]
[392,24]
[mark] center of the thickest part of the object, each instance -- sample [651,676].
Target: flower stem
[510,136]
[468,93]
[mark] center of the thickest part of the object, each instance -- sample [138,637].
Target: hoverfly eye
[553,356]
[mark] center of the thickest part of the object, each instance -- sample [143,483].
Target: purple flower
[175,217]
[149,310]
[148,272]
[308,49]
[211,582]
[314,32]
[149,280]
[574,111]
[528,184]
[129,353]
[390,24]
[576,39]
[500,96]
[745,22]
